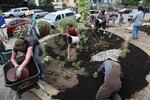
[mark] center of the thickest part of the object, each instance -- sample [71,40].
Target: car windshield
[50,17]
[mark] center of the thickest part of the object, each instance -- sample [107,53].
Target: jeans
[41,66]
[135,32]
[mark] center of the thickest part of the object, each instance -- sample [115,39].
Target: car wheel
[37,16]
[11,16]
[52,27]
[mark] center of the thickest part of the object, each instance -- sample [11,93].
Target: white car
[16,12]
[55,17]
[38,13]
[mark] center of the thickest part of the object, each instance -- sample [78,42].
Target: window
[19,21]
[63,16]
[69,14]
[24,9]
[12,23]
[15,10]
[58,18]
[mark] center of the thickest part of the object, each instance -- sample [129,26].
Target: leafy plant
[83,10]
[44,28]
[125,48]
[62,25]
[62,65]
[77,64]
[84,41]
[47,60]
[21,31]
[95,75]
[44,48]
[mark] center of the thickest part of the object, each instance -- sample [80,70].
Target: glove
[18,72]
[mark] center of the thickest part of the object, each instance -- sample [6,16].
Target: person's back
[138,18]
[112,81]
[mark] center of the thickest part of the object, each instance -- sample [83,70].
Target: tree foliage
[146,3]
[130,2]
[82,6]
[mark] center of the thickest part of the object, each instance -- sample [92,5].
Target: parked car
[125,10]
[38,13]
[13,23]
[16,12]
[55,17]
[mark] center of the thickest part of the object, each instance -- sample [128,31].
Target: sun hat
[27,13]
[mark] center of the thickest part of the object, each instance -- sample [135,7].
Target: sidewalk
[143,41]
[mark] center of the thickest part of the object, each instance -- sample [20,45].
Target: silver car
[55,17]
[38,13]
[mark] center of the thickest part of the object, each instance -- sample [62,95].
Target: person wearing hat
[112,80]
[30,47]
[33,30]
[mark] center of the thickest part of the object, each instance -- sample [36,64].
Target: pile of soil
[79,84]
[145,28]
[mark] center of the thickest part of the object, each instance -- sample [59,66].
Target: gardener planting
[73,39]
[30,47]
[112,83]
[102,19]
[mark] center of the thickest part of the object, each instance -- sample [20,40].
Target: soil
[78,83]
[145,28]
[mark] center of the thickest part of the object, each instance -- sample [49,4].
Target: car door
[11,26]
[20,22]
[58,19]
[16,12]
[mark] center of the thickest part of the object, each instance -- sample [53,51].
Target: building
[105,1]
[71,3]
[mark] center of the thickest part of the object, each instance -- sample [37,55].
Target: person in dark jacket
[30,47]
[102,20]
[112,80]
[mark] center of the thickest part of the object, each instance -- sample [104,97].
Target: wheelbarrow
[21,86]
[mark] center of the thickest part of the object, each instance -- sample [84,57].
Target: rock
[102,56]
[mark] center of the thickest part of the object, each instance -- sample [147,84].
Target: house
[71,3]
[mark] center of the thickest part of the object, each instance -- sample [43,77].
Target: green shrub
[63,25]
[21,31]
[44,28]
[77,64]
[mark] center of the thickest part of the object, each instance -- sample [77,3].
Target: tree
[146,3]
[130,2]
[82,6]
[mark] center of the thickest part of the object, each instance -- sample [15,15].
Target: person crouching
[112,82]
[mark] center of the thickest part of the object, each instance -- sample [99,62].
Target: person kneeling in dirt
[30,47]
[72,32]
[112,82]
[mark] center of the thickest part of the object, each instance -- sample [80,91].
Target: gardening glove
[18,72]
